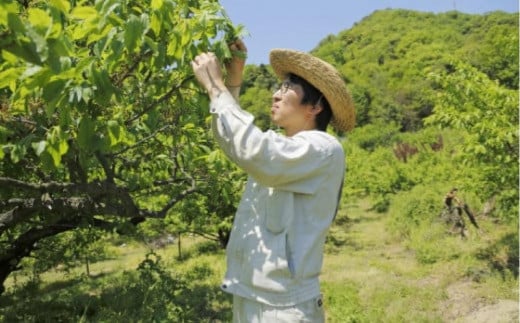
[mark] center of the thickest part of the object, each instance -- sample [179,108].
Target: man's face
[287,112]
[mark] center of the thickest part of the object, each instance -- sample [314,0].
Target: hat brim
[322,76]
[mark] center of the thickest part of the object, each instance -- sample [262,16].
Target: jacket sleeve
[285,163]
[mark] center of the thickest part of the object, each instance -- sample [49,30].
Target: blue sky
[302,24]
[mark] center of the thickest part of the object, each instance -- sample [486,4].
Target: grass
[369,275]
[379,277]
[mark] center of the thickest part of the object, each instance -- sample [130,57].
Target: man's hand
[235,66]
[207,70]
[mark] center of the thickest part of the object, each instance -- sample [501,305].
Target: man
[454,211]
[275,251]
[454,207]
[450,197]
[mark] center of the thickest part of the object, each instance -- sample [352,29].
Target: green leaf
[4,133]
[51,93]
[55,155]
[9,76]
[84,13]
[86,133]
[39,147]
[39,19]
[6,9]
[83,29]
[134,29]
[155,24]
[9,57]
[59,50]
[15,23]
[39,44]
[157,4]
[115,132]
[56,145]
[95,35]
[61,46]
[104,88]
[63,146]
[18,152]
[62,5]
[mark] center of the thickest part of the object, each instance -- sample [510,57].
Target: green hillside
[386,58]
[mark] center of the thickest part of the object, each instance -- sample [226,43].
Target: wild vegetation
[106,159]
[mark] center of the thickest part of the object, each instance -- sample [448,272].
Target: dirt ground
[464,307]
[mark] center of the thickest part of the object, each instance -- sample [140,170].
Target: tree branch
[43,187]
[205,235]
[132,68]
[162,99]
[109,172]
[143,140]
[162,213]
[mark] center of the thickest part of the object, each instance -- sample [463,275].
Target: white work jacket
[275,251]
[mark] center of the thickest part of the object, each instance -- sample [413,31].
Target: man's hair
[313,96]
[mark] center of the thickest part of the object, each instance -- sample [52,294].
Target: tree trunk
[24,245]
[179,245]
[87,265]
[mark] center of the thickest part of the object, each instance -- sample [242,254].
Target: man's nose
[277,95]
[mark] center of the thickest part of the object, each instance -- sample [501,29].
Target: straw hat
[322,76]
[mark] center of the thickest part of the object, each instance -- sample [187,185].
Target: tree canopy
[101,123]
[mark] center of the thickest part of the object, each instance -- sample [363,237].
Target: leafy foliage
[470,101]
[101,122]
[423,204]
[386,56]
[503,255]
[375,135]
[152,292]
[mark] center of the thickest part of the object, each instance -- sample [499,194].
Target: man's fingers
[203,56]
[240,45]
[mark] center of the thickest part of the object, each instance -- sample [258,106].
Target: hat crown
[322,76]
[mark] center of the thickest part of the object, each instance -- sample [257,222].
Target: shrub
[375,135]
[502,256]
[421,204]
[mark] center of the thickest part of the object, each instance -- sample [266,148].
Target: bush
[152,293]
[378,174]
[375,135]
[503,255]
[422,204]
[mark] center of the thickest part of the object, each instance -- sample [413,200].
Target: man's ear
[316,109]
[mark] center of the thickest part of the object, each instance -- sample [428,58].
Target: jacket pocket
[279,210]
[270,269]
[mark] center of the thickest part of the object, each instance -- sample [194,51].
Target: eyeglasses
[284,87]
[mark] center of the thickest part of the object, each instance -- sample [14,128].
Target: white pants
[250,311]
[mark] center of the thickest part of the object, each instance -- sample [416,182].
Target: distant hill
[386,57]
